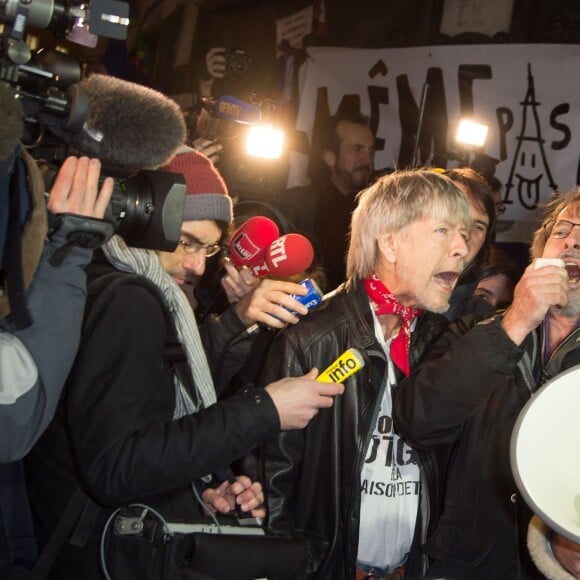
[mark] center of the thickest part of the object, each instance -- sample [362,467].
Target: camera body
[146,208]
[238,63]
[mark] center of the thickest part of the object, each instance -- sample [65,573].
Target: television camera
[147,206]
[251,159]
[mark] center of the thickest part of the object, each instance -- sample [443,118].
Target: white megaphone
[544,454]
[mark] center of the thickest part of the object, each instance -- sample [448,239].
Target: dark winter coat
[114,434]
[462,402]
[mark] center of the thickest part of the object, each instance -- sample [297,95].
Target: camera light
[80,34]
[470,133]
[265,141]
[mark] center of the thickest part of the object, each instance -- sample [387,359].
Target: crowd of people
[114,389]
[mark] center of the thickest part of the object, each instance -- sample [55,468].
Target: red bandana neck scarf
[386,303]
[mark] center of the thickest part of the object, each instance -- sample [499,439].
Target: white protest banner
[529,95]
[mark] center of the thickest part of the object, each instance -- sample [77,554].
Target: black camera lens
[147,209]
[239,63]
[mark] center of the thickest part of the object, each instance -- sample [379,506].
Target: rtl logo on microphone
[277,252]
[244,247]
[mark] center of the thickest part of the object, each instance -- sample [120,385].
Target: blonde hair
[393,202]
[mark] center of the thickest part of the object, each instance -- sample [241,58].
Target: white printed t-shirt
[390,483]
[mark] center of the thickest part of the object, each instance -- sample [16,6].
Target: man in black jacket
[463,400]
[323,209]
[132,428]
[347,482]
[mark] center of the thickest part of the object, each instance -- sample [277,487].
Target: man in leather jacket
[463,400]
[347,482]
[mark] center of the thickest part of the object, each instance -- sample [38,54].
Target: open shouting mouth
[573,269]
[447,279]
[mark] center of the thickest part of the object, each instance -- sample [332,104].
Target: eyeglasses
[194,246]
[562,229]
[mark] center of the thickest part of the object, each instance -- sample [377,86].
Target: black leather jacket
[312,476]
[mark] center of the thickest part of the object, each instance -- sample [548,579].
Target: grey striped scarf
[146,263]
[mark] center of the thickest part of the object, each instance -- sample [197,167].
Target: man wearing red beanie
[140,426]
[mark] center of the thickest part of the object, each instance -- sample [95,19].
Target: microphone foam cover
[249,242]
[141,128]
[289,255]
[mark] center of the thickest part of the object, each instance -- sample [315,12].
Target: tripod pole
[420,125]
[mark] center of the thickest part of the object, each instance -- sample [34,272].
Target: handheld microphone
[232,109]
[284,257]
[249,242]
[348,363]
[129,127]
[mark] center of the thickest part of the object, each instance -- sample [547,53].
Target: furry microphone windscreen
[138,127]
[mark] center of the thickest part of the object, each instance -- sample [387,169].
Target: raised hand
[536,292]
[76,189]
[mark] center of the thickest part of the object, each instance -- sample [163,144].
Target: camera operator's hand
[209,147]
[76,189]
[215,61]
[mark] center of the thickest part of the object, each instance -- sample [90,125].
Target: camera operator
[39,337]
[34,361]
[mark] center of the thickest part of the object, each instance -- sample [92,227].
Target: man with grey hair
[348,482]
[462,402]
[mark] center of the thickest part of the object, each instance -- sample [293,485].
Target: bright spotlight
[265,141]
[470,133]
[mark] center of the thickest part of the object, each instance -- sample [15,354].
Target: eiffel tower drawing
[530,155]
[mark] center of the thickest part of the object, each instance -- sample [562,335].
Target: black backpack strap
[58,538]
[100,290]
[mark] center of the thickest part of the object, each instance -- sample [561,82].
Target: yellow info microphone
[348,363]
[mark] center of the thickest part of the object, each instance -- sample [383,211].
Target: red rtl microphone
[286,256]
[249,242]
